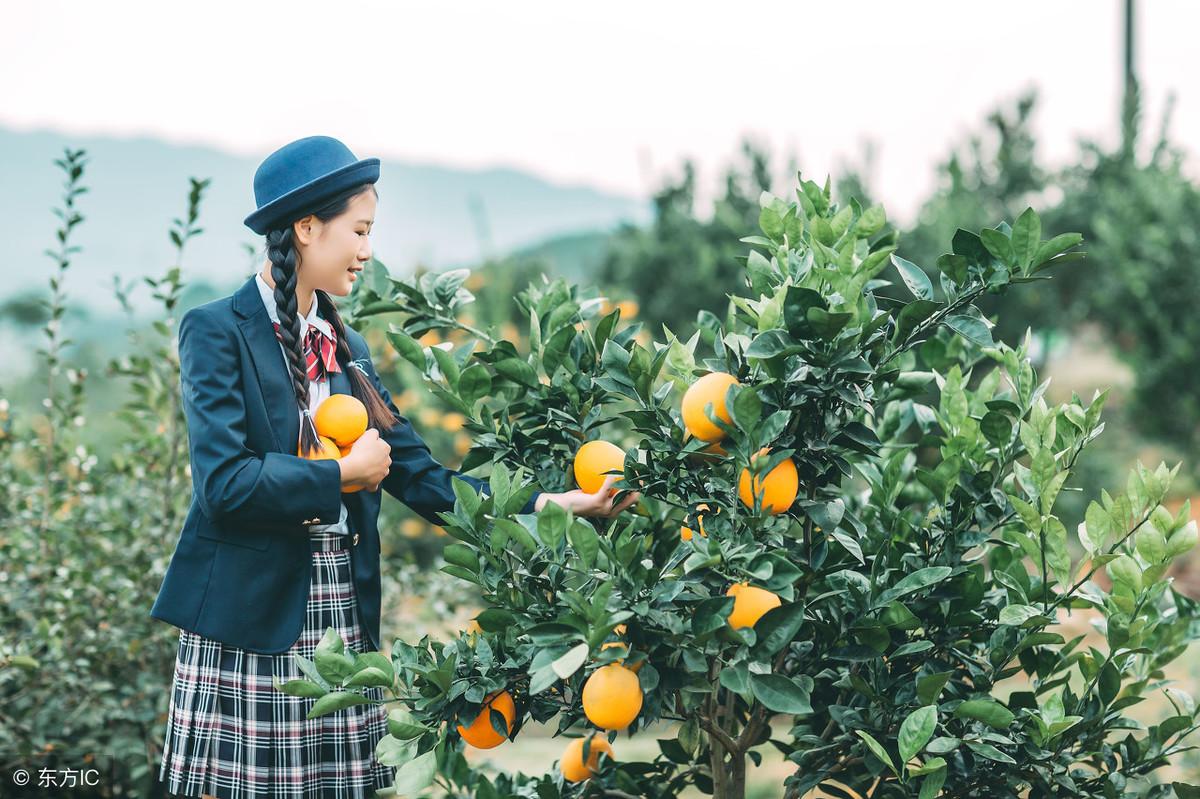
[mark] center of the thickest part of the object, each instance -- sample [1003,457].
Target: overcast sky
[610,94]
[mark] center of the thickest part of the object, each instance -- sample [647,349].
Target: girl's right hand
[368,461]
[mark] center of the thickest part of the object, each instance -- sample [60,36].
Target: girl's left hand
[582,503]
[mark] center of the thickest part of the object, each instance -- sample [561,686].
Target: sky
[613,95]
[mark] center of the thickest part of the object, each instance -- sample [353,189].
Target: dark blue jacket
[240,572]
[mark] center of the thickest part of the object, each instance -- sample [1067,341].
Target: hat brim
[287,207]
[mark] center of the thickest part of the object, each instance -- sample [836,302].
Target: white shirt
[317,390]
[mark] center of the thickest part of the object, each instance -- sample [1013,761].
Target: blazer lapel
[339,382]
[273,378]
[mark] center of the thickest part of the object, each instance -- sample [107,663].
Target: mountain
[436,215]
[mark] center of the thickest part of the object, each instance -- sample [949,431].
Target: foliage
[923,571]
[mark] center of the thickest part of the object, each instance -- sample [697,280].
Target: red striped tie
[319,366]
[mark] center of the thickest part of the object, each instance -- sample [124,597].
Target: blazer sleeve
[232,483]
[416,478]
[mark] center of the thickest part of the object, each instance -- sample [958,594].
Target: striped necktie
[320,353]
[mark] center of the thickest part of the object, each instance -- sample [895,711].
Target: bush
[922,573]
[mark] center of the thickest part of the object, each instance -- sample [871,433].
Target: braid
[378,413]
[283,272]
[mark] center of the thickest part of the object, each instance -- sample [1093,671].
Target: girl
[277,547]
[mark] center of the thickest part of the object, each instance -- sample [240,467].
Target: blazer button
[354,541]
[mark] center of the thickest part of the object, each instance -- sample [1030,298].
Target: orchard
[846,549]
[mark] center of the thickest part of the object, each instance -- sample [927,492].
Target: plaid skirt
[232,735]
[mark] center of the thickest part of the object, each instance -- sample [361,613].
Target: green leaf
[930,686]
[922,578]
[989,711]
[998,245]
[370,676]
[1057,555]
[474,382]
[780,693]
[518,371]
[990,752]
[417,774]
[568,664]
[916,731]
[403,725]
[914,278]
[584,541]
[1016,615]
[777,627]
[334,701]
[711,614]
[877,749]
[932,785]
[408,347]
[1026,237]
[1054,246]
[971,328]
[299,687]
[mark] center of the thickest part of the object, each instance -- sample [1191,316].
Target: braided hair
[284,257]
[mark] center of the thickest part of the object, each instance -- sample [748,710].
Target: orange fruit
[342,418]
[686,532]
[595,458]
[709,388]
[777,488]
[612,697]
[480,733]
[636,667]
[572,766]
[749,604]
[328,451]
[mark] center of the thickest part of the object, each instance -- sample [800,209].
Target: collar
[268,299]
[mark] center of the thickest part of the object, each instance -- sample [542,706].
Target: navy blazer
[240,572]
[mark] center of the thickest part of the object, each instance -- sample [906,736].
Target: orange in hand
[341,417]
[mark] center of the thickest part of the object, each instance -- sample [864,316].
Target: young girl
[278,547]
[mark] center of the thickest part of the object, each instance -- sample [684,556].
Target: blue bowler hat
[295,179]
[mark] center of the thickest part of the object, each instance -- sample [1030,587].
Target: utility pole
[1129,101]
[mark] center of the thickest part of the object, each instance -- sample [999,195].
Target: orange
[686,532]
[749,604]
[612,697]
[629,308]
[481,734]
[572,766]
[710,388]
[328,451]
[342,418]
[777,488]
[636,667]
[595,458]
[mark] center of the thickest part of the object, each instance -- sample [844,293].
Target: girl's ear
[302,229]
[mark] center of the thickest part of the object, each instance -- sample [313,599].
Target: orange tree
[881,604]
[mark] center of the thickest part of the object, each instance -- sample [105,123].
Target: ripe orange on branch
[750,603]
[709,388]
[686,532]
[777,489]
[612,697]
[595,458]
[480,733]
[572,766]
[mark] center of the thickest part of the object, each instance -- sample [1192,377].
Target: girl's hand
[582,503]
[368,461]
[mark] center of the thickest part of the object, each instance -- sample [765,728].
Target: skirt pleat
[232,735]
